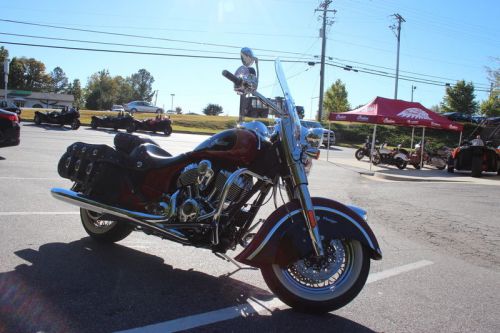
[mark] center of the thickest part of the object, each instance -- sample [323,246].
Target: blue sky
[443,40]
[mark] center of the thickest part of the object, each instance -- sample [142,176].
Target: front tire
[102,230]
[359,154]
[376,159]
[75,124]
[38,119]
[131,128]
[314,289]
[401,164]
[93,124]
[167,131]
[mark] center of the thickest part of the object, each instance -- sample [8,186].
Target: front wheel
[359,154]
[321,285]
[75,124]
[167,131]
[401,164]
[376,159]
[38,119]
[103,230]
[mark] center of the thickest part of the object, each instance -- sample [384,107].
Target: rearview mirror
[247,57]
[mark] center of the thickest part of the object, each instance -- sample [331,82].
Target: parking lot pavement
[344,157]
[439,273]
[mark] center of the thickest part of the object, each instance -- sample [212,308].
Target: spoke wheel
[103,230]
[321,285]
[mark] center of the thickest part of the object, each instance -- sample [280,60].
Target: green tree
[142,85]
[59,82]
[124,93]
[460,98]
[101,91]
[491,106]
[28,74]
[75,89]
[4,54]
[212,110]
[335,99]
[178,110]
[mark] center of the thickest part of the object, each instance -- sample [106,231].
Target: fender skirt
[283,238]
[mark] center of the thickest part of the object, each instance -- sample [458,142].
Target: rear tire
[93,124]
[101,230]
[359,154]
[477,166]
[131,128]
[306,291]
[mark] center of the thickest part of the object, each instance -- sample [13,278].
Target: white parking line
[253,306]
[37,213]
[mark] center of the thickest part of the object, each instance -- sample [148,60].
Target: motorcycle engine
[199,191]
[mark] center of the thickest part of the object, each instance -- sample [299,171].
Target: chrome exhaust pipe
[142,219]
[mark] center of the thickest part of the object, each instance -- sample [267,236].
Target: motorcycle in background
[314,253]
[365,150]
[436,158]
[397,157]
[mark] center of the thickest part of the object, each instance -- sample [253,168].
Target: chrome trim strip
[284,218]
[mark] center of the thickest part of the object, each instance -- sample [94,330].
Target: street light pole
[412,90]
[172,105]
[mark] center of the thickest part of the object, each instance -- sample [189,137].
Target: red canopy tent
[385,111]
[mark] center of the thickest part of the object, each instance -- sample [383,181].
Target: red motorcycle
[314,253]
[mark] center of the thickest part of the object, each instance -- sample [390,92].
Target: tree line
[458,98]
[100,93]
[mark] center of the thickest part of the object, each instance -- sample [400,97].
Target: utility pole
[412,90]
[6,75]
[397,32]
[326,21]
[172,105]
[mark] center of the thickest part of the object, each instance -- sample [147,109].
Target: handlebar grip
[228,75]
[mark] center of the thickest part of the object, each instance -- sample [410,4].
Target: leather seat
[150,156]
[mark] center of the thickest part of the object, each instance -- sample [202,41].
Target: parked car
[9,106]
[9,129]
[142,106]
[123,120]
[326,133]
[117,108]
[477,159]
[158,124]
[67,116]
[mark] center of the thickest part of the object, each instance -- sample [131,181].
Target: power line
[139,36]
[299,55]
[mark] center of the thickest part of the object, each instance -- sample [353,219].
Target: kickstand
[225,257]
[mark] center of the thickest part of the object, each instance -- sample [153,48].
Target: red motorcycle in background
[436,158]
[314,253]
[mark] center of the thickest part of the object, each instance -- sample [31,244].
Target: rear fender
[283,238]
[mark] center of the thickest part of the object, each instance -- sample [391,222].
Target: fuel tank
[232,146]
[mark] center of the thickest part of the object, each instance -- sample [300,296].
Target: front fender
[283,238]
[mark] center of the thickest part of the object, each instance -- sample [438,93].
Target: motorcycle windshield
[290,117]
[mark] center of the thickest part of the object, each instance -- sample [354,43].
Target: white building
[30,99]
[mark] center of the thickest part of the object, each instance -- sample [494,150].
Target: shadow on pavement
[87,287]
[288,321]
[50,127]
